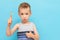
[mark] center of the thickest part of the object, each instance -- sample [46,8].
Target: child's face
[24,14]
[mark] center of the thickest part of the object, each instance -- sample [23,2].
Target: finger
[10,18]
[27,35]
[29,31]
[11,14]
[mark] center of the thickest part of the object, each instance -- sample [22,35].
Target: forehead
[24,9]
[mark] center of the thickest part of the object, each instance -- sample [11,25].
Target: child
[26,29]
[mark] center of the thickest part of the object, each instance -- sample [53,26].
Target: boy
[26,29]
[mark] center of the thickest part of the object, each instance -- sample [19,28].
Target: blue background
[45,14]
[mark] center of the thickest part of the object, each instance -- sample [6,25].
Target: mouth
[24,19]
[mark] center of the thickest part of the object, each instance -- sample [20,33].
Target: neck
[25,22]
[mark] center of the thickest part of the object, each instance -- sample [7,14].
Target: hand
[10,20]
[29,35]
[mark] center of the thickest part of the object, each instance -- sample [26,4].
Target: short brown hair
[23,5]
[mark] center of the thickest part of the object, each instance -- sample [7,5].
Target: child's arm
[9,31]
[35,36]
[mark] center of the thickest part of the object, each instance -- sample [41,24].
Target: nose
[24,16]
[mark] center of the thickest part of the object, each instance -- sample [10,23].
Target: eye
[21,13]
[26,13]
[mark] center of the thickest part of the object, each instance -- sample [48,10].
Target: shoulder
[17,25]
[34,26]
[32,23]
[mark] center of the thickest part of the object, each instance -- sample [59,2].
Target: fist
[29,35]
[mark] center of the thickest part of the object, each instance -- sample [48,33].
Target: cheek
[22,17]
[28,17]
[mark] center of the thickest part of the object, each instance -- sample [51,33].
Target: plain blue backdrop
[45,14]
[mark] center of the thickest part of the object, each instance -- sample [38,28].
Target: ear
[30,13]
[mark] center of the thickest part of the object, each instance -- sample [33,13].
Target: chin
[25,20]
